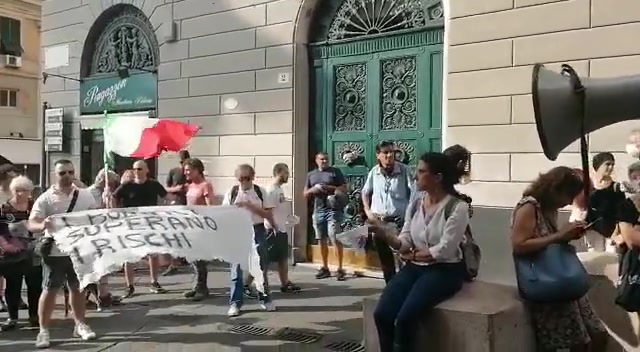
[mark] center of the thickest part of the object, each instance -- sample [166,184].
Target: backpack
[235,189]
[471,253]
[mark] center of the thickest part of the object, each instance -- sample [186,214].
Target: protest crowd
[417,222]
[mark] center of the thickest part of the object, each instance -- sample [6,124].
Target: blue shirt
[329,176]
[389,194]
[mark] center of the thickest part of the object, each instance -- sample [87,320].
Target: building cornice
[31,9]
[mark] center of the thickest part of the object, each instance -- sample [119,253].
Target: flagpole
[105,162]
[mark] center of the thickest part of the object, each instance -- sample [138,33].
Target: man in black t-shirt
[142,192]
[175,184]
[177,179]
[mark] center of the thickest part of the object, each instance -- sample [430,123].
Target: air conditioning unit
[12,61]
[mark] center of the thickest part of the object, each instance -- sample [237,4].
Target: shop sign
[53,129]
[114,94]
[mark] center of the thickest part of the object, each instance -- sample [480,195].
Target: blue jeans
[326,224]
[408,297]
[237,281]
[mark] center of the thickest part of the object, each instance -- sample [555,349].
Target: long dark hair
[441,164]
[560,180]
[461,159]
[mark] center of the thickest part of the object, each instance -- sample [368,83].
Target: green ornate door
[377,75]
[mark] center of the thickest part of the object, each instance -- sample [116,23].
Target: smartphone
[589,225]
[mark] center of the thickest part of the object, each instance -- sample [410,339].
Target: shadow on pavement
[169,322]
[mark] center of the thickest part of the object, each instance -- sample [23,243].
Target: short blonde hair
[100,176]
[21,183]
[245,168]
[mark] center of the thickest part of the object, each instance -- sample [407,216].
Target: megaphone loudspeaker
[558,109]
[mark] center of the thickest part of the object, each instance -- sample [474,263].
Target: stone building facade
[19,87]
[278,80]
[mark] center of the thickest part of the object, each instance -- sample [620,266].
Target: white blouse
[442,237]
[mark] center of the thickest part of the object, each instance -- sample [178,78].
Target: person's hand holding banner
[101,241]
[355,239]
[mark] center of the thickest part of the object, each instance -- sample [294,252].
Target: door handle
[369,135]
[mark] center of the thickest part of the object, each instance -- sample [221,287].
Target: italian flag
[141,137]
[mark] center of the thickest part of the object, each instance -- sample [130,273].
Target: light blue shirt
[390,194]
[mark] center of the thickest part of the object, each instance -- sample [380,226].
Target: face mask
[633,150]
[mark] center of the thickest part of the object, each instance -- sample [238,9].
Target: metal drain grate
[250,330]
[295,335]
[345,346]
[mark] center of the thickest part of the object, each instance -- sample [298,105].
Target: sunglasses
[245,178]
[68,172]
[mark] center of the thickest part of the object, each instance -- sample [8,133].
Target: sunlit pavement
[168,322]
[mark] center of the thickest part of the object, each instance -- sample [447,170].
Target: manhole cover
[345,346]
[295,335]
[250,330]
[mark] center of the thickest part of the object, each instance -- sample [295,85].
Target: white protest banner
[101,241]
[355,238]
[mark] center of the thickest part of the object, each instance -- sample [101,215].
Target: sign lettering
[53,129]
[136,92]
[101,241]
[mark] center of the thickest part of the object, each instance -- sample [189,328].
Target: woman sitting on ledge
[430,244]
[572,326]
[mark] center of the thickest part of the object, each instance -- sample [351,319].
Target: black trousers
[387,259]
[14,274]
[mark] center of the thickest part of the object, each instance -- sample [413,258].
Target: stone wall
[226,49]
[494,44]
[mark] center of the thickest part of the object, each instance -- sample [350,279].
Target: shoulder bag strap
[74,200]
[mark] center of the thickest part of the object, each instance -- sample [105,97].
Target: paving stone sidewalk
[329,310]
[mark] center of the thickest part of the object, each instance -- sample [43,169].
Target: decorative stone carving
[399,94]
[348,153]
[405,152]
[128,41]
[355,18]
[350,97]
[353,212]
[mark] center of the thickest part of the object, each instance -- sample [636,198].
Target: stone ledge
[482,317]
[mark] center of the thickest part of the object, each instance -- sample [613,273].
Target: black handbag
[44,246]
[628,289]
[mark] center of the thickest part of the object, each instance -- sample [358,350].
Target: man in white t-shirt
[57,268]
[277,236]
[254,198]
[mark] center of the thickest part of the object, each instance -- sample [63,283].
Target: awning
[21,151]
[10,48]
[96,122]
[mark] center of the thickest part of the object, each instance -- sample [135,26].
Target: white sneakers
[43,339]
[268,306]
[234,310]
[82,330]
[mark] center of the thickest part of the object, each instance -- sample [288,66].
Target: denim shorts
[326,224]
[58,272]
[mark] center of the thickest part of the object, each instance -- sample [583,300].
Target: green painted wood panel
[360,100]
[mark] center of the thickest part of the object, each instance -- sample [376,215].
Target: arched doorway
[119,72]
[376,74]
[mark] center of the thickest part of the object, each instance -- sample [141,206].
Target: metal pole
[44,161]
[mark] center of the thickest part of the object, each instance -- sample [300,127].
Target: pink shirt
[197,193]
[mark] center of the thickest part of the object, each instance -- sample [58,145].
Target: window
[8,98]
[10,41]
